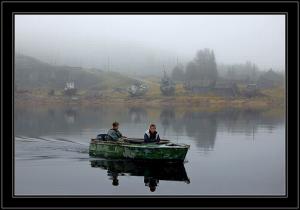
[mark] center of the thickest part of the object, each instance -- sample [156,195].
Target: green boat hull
[151,151]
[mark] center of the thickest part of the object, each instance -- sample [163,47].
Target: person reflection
[113,177]
[151,183]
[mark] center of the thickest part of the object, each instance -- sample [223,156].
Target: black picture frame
[10,8]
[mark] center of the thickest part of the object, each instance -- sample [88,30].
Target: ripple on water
[46,147]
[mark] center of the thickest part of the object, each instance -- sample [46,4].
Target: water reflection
[152,172]
[167,116]
[70,115]
[137,114]
[59,137]
[201,126]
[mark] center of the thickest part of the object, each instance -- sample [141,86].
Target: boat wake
[45,147]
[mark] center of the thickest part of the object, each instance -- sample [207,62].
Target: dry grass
[153,98]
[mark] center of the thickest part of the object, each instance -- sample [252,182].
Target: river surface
[233,152]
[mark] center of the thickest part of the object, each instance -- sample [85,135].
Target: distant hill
[32,73]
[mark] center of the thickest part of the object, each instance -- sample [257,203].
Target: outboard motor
[102,137]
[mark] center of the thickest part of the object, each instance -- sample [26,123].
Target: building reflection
[70,115]
[152,172]
[137,114]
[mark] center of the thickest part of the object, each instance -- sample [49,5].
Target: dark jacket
[151,138]
[114,135]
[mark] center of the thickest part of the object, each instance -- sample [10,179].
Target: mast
[108,63]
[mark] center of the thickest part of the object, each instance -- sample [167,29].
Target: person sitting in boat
[151,135]
[114,134]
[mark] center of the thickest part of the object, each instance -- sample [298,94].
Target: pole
[108,63]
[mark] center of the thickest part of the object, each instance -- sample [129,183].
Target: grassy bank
[270,98]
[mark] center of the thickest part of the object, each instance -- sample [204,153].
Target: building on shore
[70,89]
[167,86]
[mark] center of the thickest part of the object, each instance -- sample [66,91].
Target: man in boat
[114,134]
[151,135]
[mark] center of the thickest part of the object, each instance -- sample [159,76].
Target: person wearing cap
[151,135]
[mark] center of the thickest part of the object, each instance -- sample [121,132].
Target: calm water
[233,152]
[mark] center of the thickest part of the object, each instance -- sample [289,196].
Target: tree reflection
[167,116]
[199,125]
[202,127]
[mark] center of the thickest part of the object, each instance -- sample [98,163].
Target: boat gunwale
[146,145]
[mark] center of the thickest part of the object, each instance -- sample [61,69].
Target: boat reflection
[152,172]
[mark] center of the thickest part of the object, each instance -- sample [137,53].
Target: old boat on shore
[136,149]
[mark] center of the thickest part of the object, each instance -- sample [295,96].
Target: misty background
[223,94]
[148,44]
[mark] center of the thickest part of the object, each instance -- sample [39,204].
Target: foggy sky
[137,43]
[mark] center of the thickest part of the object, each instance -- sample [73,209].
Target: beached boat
[133,148]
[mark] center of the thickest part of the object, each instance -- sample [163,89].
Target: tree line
[202,68]
[204,71]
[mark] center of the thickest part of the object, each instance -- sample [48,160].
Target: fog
[149,43]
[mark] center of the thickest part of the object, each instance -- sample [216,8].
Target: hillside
[35,80]
[31,73]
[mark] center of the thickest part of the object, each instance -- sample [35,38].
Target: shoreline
[186,101]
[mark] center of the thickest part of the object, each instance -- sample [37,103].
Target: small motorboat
[137,149]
